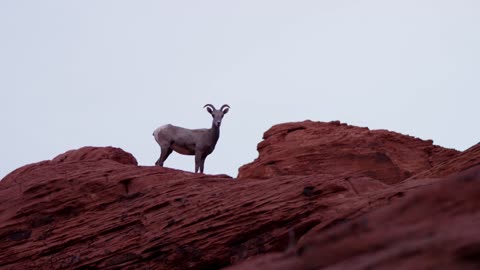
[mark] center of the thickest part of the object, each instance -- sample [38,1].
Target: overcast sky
[101,73]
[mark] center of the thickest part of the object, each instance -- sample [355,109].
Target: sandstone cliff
[320,195]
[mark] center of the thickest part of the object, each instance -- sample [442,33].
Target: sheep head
[217,114]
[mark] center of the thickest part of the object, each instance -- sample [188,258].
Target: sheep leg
[163,156]
[202,162]
[198,161]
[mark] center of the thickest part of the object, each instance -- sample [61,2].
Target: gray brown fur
[198,142]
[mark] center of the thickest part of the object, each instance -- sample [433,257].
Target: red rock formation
[467,159]
[96,153]
[434,227]
[94,208]
[308,147]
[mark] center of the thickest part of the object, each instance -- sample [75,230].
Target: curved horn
[211,106]
[224,106]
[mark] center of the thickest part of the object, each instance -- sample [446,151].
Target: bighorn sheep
[198,142]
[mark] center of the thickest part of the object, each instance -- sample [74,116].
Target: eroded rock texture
[320,196]
[431,227]
[308,147]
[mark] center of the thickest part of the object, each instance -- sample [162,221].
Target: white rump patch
[162,127]
[159,129]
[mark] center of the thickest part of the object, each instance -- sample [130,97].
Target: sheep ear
[209,110]
[225,111]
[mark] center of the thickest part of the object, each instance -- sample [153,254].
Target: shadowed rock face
[433,227]
[460,162]
[94,208]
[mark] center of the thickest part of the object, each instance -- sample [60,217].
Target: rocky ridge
[320,195]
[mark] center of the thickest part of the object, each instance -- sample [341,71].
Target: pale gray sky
[78,73]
